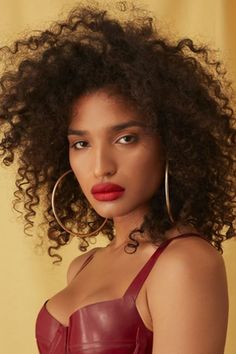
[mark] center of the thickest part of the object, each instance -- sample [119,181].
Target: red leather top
[105,327]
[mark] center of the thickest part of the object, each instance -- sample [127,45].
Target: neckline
[104,301]
[131,285]
[90,305]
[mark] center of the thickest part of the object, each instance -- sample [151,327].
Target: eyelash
[135,138]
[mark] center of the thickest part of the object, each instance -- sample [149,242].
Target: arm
[188,299]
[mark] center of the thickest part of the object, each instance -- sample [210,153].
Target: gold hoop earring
[167,193]
[57,218]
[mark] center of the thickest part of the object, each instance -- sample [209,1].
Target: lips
[106,188]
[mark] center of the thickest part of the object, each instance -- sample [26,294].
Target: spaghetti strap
[136,284]
[87,260]
[139,279]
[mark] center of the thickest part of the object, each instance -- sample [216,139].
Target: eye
[76,144]
[81,144]
[133,138]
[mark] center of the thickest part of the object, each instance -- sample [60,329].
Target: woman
[119,131]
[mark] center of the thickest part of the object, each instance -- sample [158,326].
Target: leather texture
[106,327]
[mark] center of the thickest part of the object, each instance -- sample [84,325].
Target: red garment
[105,327]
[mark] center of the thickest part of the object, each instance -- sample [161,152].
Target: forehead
[104,107]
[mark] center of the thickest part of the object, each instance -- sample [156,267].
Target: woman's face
[101,151]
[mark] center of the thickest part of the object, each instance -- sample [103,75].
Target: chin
[110,215]
[104,214]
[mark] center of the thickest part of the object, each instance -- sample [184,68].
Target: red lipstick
[107,191]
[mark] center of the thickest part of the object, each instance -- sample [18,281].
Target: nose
[104,163]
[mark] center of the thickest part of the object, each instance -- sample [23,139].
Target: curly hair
[179,87]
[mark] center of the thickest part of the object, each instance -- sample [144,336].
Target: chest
[114,325]
[98,283]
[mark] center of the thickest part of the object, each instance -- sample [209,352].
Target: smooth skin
[131,157]
[184,300]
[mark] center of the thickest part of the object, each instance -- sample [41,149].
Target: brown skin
[137,165]
[182,298]
[188,299]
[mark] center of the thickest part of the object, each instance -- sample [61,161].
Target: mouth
[108,196]
[106,187]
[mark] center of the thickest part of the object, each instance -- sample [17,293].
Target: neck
[123,225]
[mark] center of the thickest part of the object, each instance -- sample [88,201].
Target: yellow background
[27,276]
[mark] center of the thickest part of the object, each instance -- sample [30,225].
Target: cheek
[75,161]
[152,175]
[78,172]
[70,155]
[148,157]
[149,171]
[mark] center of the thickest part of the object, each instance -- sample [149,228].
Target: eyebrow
[113,128]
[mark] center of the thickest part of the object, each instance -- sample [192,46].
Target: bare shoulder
[188,298]
[191,251]
[187,257]
[76,264]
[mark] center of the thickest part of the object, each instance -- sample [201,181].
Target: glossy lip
[106,188]
[108,196]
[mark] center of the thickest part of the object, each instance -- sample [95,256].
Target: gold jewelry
[57,218]
[167,193]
